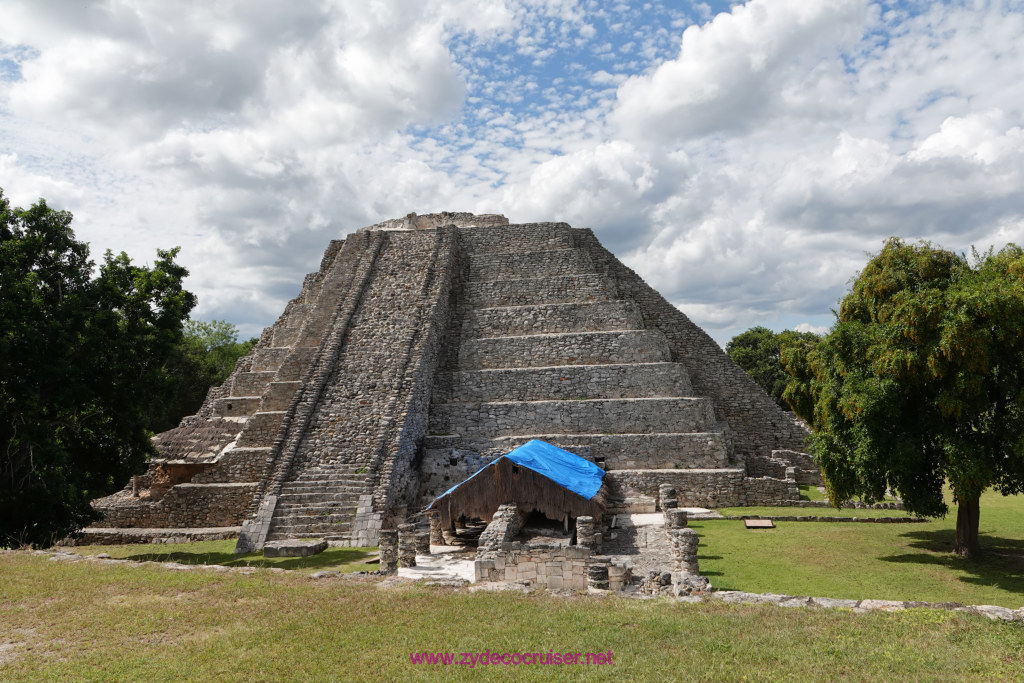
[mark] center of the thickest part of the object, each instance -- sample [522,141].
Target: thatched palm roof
[533,477]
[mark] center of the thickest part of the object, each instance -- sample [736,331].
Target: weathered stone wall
[185,505]
[553,319]
[613,416]
[515,265]
[541,567]
[584,348]
[649,380]
[771,491]
[503,528]
[234,466]
[694,488]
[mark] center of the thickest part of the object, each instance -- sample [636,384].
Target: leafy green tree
[82,362]
[758,351]
[920,382]
[205,358]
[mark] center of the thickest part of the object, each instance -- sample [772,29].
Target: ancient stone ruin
[425,347]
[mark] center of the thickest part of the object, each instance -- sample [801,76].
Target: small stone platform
[291,548]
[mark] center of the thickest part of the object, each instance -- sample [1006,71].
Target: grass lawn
[83,621]
[808,492]
[771,511]
[882,561]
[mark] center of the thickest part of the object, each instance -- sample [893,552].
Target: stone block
[293,548]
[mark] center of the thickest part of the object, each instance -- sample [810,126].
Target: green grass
[86,621]
[766,511]
[808,492]
[223,553]
[883,561]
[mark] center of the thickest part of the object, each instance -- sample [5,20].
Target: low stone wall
[769,491]
[694,488]
[185,505]
[544,568]
[807,472]
[114,536]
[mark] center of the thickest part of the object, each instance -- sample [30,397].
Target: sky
[745,159]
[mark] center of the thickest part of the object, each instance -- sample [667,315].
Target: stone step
[236,465]
[279,395]
[269,359]
[512,265]
[517,321]
[635,380]
[611,416]
[319,475]
[236,406]
[319,495]
[261,429]
[283,531]
[286,336]
[294,518]
[329,470]
[294,366]
[321,492]
[567,348]
[251,383]
[523,236]
[692,450]
[313,507]
[543,290]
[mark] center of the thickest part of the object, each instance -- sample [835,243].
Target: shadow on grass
[1001,563]
[332,557]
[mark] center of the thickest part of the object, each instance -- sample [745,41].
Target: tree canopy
[83,360]
[204,358]
[758,351]
[920,382]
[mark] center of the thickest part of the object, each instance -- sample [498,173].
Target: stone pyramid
[425,347]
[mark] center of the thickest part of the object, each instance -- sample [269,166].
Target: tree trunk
[967,528]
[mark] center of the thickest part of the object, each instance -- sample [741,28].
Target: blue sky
[744,158]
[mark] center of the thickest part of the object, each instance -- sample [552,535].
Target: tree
[82,362]
[920,382]
[205,358]
[758,351]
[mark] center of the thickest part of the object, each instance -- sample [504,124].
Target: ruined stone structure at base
[425,347]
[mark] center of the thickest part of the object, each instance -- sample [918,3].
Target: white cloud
[736,70]
[745,166]
[807,327]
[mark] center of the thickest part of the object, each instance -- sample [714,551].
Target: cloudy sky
[744,158]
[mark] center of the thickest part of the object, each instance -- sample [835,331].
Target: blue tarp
[560,466]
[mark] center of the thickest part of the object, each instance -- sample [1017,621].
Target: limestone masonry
[423,348]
